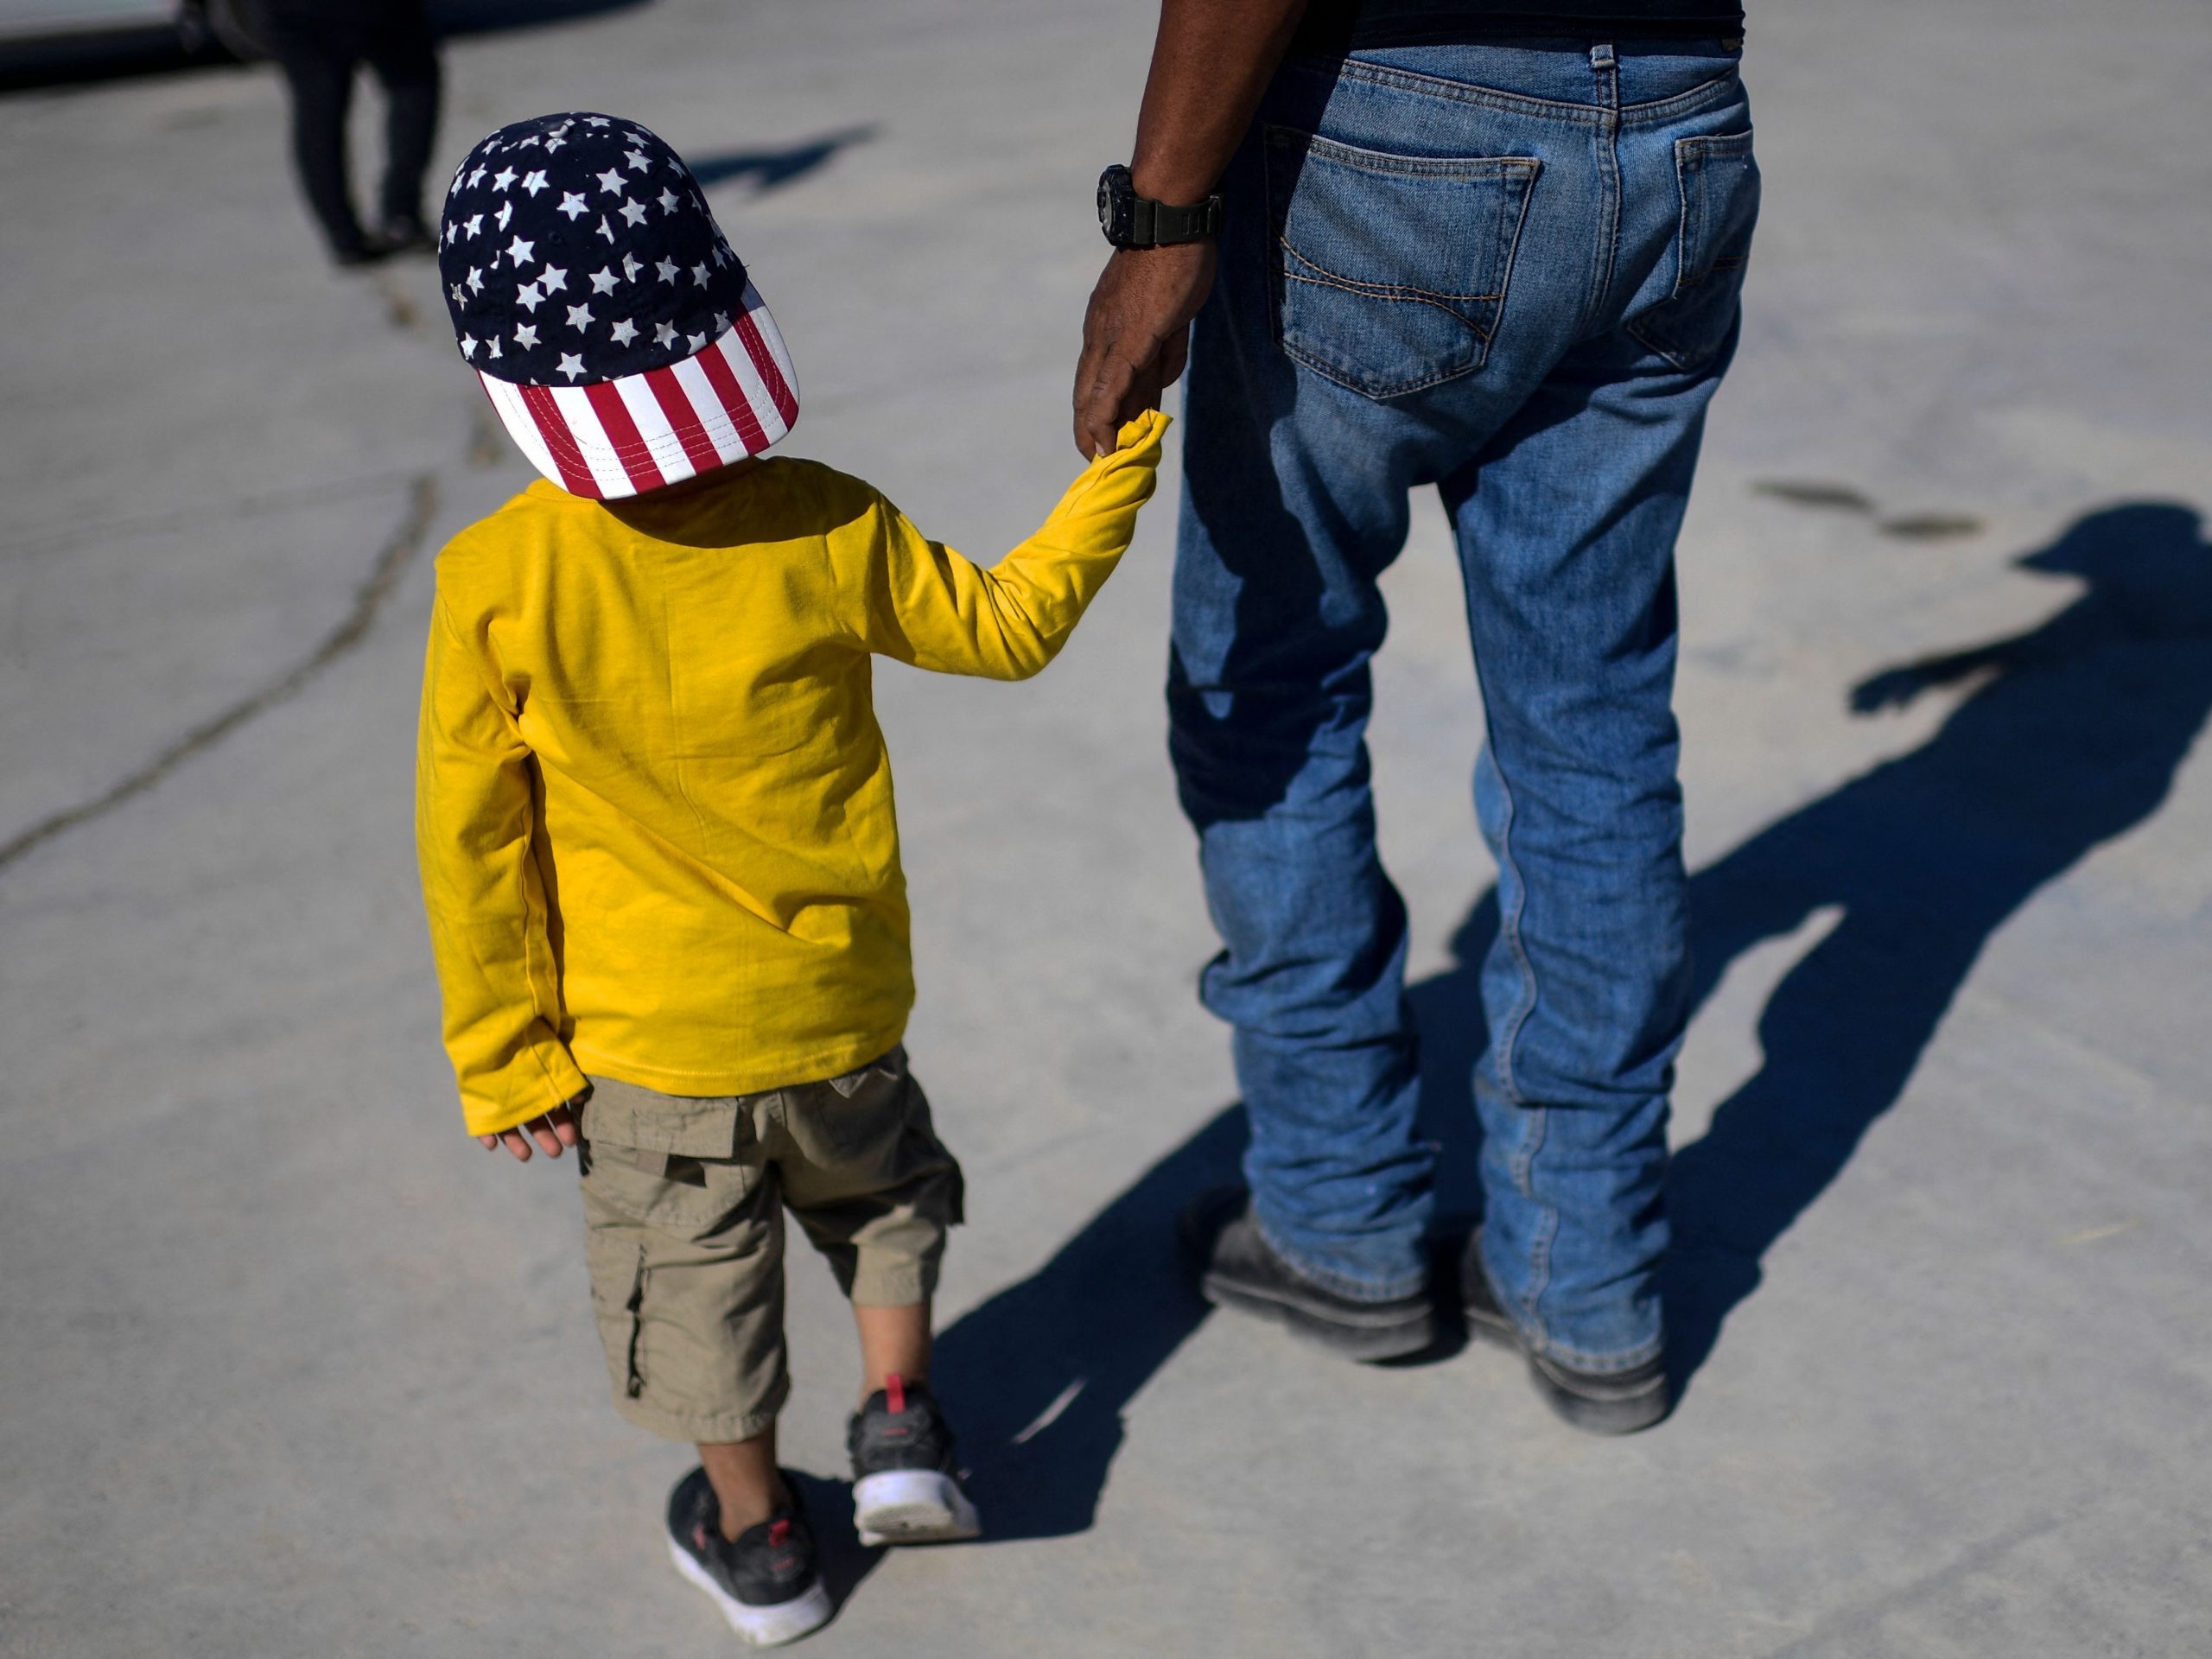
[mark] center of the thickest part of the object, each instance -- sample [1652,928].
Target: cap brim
[609,438]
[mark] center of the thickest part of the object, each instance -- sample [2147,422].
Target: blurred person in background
[320,44]
[1495,246]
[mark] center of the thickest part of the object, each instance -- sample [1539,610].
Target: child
[654,815]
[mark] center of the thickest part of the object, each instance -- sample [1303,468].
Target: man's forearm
[1212,61]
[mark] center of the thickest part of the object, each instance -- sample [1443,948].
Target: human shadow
[843,1559]
[1040,1375]
[2071,738]
[771,169]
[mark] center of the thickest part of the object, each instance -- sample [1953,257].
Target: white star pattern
[499,300]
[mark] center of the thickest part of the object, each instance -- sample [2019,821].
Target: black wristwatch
[1133,221]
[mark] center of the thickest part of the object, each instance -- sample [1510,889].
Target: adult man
[1496,246]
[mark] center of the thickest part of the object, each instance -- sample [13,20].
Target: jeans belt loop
[1601,58]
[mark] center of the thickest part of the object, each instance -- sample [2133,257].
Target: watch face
[1116,204]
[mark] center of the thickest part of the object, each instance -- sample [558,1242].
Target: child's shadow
[1037,1377]
[842,1558]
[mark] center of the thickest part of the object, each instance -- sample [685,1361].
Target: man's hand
[556,1130]
[1135,336]
[1211,61]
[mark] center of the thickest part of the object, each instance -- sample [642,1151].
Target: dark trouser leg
[320,79]
[405,60]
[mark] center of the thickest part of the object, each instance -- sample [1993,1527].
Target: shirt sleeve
[474,811]
[925,604]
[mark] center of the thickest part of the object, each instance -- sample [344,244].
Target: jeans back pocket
[1719,181]
[1391,270]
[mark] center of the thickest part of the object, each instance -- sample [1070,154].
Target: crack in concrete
[369,599]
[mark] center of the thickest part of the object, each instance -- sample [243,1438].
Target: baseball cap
[615,330]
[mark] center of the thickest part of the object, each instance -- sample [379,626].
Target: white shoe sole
[760,1627]
[911,1506]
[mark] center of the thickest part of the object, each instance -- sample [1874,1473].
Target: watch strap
[1157,223]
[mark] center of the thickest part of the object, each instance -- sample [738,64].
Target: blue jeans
[1511,272]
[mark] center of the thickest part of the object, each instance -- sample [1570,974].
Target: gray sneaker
[1238,1269]
[906,1473]
[764,1580]
[1603,1402]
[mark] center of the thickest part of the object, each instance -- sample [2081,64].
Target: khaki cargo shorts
[683,1230]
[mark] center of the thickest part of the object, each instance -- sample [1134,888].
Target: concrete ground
[287,1366]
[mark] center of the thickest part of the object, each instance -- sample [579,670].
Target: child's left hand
[556,1130]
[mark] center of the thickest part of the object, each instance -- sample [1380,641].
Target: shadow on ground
[844,1561]
[2072,738]
[1040,1374]
[771,169]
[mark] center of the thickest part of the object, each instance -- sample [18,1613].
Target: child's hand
[556,1130]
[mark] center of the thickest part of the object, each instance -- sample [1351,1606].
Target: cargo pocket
[1390,272]
[618,1278]
[1719,181]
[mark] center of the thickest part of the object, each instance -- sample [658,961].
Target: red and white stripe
[617,438]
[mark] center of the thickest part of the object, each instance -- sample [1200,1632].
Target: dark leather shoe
[1603,1402]
[1238,1269]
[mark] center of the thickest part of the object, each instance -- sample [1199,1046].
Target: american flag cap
[610,322]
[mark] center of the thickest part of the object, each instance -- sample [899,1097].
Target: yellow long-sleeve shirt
[653,806]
